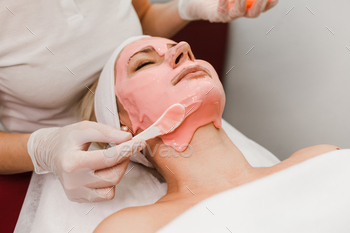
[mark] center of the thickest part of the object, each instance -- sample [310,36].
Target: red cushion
[13,189]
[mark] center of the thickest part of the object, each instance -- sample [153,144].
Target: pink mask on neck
[148,92]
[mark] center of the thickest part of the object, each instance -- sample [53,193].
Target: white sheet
[46,208]
[313,196]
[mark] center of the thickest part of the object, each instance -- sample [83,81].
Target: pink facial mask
[146,94]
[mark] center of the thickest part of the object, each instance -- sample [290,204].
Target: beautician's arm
[14,157]
[161,20]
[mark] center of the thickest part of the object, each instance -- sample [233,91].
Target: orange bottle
[249,3]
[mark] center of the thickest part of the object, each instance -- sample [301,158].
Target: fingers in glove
[270,4]
[257,7]
[110,176]
[84,194]
[89,131]
[237,8]
[223,6]
[101,159]
[106,193]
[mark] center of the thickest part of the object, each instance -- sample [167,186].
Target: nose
[181,53]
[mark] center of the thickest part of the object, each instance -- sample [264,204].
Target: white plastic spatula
[167,123]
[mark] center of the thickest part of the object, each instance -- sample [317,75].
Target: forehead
[160,45]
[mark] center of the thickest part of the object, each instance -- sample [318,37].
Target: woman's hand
[86,176]
[222,10]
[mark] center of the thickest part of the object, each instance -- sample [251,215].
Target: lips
[190,72]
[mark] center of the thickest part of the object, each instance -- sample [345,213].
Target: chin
[205,107]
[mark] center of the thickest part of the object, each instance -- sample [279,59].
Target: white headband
[105,99]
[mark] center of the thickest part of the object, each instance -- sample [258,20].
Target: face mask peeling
[154,73]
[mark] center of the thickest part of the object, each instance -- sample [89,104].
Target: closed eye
[143,64]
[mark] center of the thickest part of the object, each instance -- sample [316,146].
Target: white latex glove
[222,10]
[86,176]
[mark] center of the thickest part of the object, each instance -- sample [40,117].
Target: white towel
[313,196]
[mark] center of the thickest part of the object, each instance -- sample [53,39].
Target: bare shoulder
[304,154]
[143,219]
[312,151]
[132,219]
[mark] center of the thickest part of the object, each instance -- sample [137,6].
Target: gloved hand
[86,176]
[222,10]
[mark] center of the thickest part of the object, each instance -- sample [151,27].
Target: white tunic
[50,51]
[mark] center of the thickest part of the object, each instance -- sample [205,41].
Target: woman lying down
[197,159]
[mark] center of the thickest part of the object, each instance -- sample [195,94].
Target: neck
[210,164]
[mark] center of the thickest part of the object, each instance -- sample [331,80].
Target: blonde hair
[87,112]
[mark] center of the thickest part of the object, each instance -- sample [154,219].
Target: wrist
[24,139]
[33,143]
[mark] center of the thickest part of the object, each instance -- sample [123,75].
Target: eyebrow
[144,50]
[148,50]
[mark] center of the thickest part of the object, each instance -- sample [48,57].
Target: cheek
[144,85]
[149,86]
[140,96]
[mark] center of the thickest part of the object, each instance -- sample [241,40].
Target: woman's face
[154,73]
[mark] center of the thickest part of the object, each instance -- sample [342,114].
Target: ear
[124,118]
[126,129]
